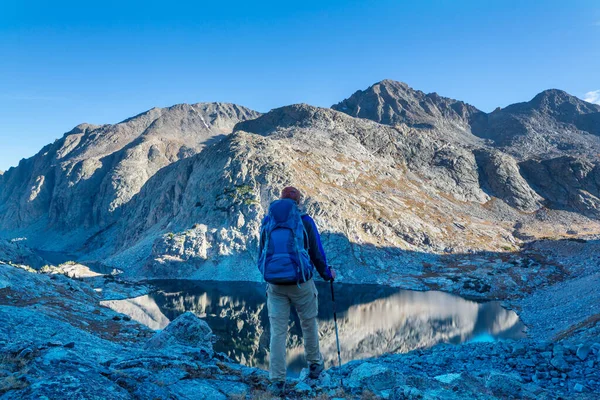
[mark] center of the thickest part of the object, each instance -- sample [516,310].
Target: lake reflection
[372,319]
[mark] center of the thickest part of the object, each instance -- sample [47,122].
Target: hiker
[290,250]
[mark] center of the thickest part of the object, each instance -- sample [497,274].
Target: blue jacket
[313,244]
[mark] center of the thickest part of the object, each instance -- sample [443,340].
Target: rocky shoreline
[57,342]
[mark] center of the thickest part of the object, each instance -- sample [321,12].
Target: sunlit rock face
[394,178]
[84,178]
[372,321]
[142,309]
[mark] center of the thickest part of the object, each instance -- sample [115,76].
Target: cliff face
[83,179]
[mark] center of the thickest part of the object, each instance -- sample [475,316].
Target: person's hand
[332,273]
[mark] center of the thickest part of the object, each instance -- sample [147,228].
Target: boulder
[371,376]
[583,350]
[504,385]
[187,330]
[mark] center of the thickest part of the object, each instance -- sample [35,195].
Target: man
[290,250]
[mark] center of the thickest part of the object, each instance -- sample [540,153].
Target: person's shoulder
[309,223]
[307,218]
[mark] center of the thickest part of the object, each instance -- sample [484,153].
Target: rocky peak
[557,103]
[390,102]
[552,124]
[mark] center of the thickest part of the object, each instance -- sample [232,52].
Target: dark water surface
[372,319]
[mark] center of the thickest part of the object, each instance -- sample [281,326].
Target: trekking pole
[337,337]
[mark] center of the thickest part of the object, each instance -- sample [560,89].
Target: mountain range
[394,177]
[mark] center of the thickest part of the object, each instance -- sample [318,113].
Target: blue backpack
[283,257]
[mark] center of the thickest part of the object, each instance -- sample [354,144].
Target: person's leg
[305,301]
[278,305]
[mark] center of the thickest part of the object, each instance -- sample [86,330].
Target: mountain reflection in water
[372,319]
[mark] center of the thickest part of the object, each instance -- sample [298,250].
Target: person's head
[292,193]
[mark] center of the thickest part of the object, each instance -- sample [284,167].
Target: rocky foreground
[57,342]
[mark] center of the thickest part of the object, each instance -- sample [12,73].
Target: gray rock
[501,176]
[371,376]
[231,389]
[504,385]
[193,389]
[185,330]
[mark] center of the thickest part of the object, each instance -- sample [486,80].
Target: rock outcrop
[186,330]
[501,177]
[566,183]
[16,252]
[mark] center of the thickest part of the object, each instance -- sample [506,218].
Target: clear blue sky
[63,63]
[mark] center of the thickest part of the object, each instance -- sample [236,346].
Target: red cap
[291,192]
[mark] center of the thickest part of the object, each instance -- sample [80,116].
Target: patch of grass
[244,189]
[240,193]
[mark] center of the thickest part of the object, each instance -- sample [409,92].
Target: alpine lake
[372,319]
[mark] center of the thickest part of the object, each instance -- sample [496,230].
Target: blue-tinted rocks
[303,388]
[25,353]
[447,378]
[186,330]
[583,350]
[560,364]
[371,376]
[195,390]
[504,385]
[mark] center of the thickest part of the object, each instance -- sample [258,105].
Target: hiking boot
[315,371]
[277,388]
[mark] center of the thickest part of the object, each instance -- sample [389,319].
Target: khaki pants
[304,299]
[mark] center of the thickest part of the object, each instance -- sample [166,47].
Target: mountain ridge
[179,191]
